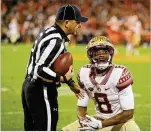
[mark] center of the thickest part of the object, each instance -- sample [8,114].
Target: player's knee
[130,126]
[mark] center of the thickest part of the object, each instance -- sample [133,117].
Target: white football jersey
[105,89]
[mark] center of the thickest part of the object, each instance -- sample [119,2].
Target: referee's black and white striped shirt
[49,44]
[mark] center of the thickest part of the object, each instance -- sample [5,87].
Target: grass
[13,65]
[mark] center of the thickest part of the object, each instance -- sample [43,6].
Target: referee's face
[73,26]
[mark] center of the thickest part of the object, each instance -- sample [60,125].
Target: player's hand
[90,123]
[81,94]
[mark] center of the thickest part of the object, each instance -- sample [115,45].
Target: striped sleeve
[48,55]
[125,80]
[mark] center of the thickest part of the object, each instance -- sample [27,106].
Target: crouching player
[109,86]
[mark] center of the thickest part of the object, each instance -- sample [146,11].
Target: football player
[109,86]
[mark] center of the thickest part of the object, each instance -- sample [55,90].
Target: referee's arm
[48,56]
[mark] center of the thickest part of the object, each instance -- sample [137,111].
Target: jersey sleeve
[125,79]
[127,98]
[85,101]
[80,82]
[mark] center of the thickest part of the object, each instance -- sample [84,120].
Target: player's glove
[90,124]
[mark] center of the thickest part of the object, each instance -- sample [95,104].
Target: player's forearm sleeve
[127,98]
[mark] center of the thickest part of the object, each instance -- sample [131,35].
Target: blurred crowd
[123,21]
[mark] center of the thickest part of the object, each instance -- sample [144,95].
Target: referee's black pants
[40,105]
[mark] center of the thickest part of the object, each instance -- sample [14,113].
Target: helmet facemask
[100,56]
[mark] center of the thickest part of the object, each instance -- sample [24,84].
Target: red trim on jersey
[92,77]
[125,80]
[125,84]
[104,81]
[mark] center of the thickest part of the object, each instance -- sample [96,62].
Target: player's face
[100,55]
[100,58]
[73,27]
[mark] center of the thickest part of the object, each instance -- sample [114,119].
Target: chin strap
[102,65]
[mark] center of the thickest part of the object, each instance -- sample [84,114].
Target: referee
[39,90]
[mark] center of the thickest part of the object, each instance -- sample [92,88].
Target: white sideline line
[4,89]
[65,91]
[137,95]
[67,110]
[62,110]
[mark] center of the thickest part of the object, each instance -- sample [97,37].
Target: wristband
[57,78]
[70,82]
[65,79]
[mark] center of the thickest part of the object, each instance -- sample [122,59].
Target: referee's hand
[68,75]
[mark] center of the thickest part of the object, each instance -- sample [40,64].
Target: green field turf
[13,62]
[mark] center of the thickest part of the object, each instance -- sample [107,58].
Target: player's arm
[82,103]
[126,98]
[127,104]
[82,107]
[48,56]
[88,123]
[120,118]
[77,89]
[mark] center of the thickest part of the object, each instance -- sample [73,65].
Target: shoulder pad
[119,66]
[125,79]
[87,66]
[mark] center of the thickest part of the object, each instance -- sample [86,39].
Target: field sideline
[13,64]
